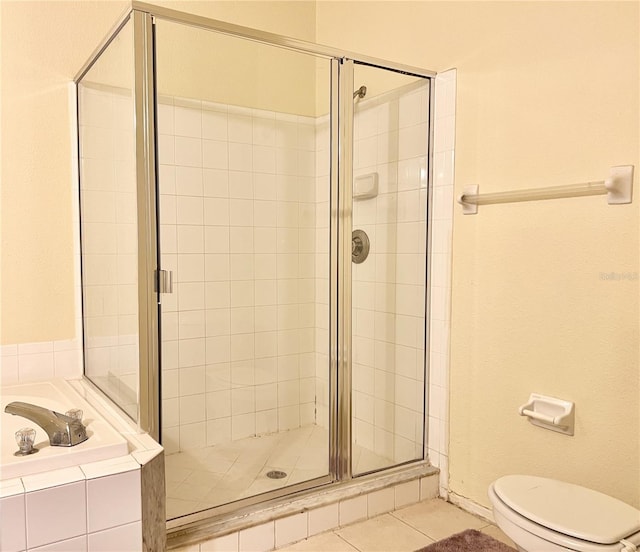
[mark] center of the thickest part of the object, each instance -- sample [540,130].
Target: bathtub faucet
[63,431]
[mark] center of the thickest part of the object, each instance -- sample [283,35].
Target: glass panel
[244,215]
[390,130]
[109,222]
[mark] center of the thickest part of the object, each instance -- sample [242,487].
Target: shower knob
[359,246]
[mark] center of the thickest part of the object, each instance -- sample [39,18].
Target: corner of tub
[11,487]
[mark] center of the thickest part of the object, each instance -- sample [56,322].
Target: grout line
[335,532]
[392,513]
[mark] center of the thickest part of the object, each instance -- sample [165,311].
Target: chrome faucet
[63,430]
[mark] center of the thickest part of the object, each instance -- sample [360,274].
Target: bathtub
[104,441]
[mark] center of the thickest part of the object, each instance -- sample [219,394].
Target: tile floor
[404,530]
[203,478]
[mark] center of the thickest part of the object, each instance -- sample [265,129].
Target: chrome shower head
[360,93]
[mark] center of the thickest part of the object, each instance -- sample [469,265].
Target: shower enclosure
[254,254]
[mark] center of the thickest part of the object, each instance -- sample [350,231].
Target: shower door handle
[164,281]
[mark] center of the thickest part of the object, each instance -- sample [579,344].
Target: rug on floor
[468,541]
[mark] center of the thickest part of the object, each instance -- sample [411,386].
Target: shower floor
[203,478]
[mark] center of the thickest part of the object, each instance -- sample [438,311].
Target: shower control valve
[359,246]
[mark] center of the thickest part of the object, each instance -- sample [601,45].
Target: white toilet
[545,515]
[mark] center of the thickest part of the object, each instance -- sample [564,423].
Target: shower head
[360,93]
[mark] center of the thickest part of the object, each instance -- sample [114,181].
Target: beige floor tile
[243,470]
[231,471]
[203,479]
[283,459]
[313,460]
[319,438]
[218,463]
[262,484]
[197,455]
[326,542]
[298,475]
[221,453]
[383,534]
[389,534]
[177,474]
[497,534]
[366,460]
[221,495]
[186,491]
[237,484]
[438,519]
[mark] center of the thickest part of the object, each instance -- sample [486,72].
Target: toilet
[545,515]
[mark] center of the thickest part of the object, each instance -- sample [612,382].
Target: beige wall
[547,94]
[39,58]
[44,44]
[234,71]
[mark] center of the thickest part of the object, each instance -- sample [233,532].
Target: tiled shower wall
[391,139]
[322,264]
[440,285]
[237,228]
[244,227]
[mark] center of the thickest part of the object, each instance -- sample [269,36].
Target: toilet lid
[569,509]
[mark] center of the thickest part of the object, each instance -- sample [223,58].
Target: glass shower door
[108,201]
[390,190]
[244,164]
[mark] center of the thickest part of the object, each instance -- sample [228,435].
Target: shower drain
[276,474]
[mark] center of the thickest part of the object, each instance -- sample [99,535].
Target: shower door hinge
[164,281]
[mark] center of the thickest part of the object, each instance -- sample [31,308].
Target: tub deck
[104,441]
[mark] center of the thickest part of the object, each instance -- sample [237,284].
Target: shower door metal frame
[148,261]
[341,205]
[335,261]
[344,223]
[148,407]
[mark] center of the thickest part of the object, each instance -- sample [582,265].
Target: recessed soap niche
[365,186]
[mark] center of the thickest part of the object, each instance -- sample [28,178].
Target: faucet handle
[75,413]
[25,438]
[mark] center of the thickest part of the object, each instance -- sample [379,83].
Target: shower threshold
[203,478]
[204,526]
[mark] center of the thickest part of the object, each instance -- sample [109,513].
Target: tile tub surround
[103,507]
[97,508]
[45,360]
